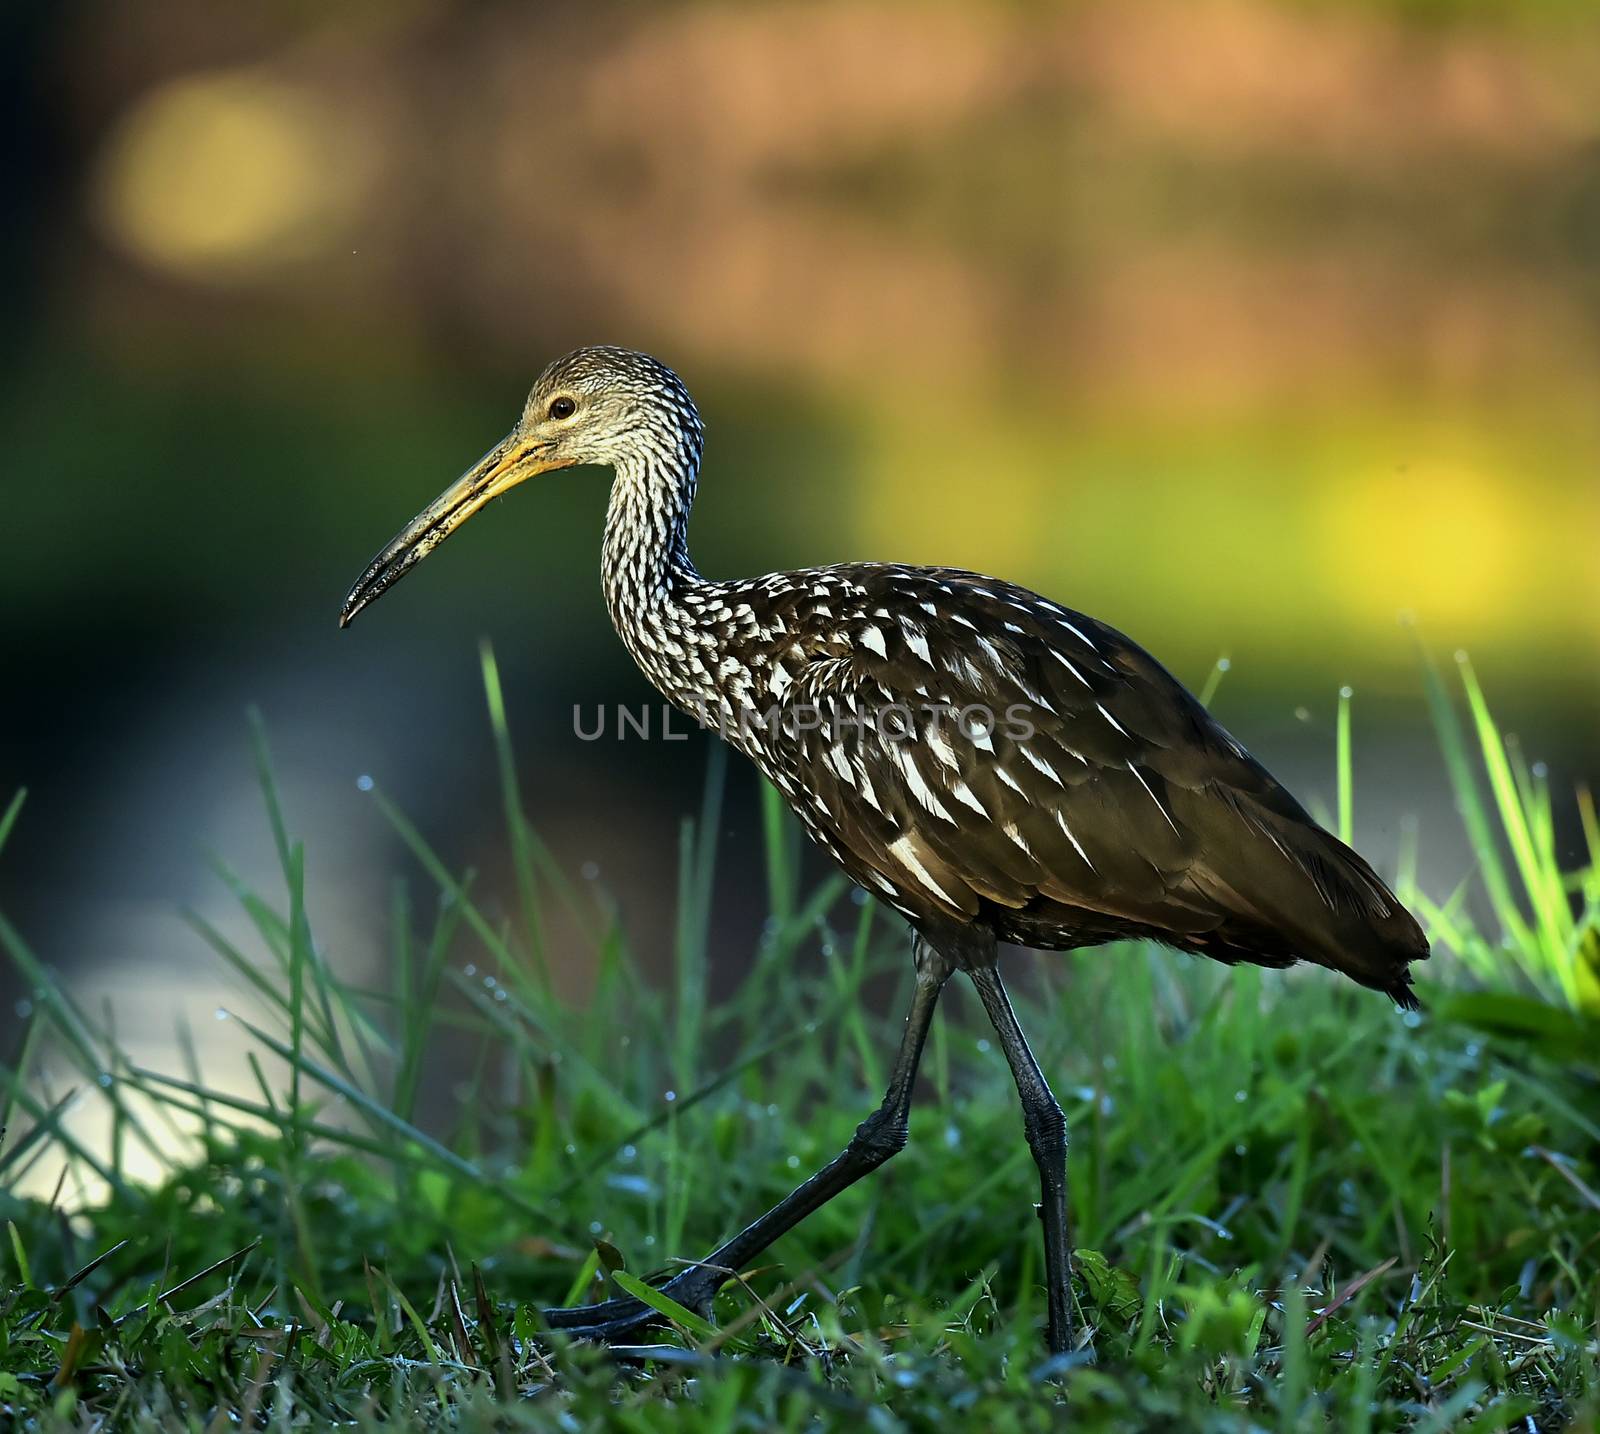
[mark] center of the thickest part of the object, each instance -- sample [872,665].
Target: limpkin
[994,766]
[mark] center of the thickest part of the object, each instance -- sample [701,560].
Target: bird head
[600,405]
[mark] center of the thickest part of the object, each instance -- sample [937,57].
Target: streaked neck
[648,575]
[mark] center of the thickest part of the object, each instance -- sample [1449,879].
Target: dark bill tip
[408,548]
[500,468]
[387,569]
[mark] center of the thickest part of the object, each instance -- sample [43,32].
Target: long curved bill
[508,463]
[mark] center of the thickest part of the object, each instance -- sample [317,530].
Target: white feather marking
[919,788]
[963,793]
[1070,668]
[996,657]
[903,852]
[1061,821]
[1040,764]
[1009,780]
[1153,797]
[1014,832]
[779,682]
[1084,639]
[836,760]
[916,641]
[1034,697]
[940,745]
[872,639]
[961,666]
[1000,662]
[1109,718]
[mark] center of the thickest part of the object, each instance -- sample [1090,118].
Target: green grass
[1294,1207]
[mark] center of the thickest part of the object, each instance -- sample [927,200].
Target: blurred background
[1266,329]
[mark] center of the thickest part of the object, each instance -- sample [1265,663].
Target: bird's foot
[620,1321]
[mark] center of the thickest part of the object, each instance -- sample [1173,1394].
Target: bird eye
[562,408]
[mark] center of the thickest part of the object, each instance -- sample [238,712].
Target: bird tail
[1326,905]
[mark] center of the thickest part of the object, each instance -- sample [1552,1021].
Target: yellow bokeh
[218,174]
[1439,540]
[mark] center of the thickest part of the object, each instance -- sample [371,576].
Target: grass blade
[12,812]
[517,829]
[663,1305]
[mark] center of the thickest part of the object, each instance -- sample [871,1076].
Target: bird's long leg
[880,1136]
[1046,1129]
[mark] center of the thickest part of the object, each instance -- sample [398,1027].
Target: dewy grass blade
[42,1128]
[1405,866]
[252,974]
[16,1077]
[381,1115]
[20,1254]
[777,829]
[502,1015]
[269,786]
[216,1267]
[1345,770]
[418,1008]
[697,874]
[1469,803]
[274,934]
[683,1102]
[54,1117]
[511,969]
[584,1279]
[1591,831]
[662,1304]
[1549,907]
[1219,670]
[82,1042]
[12,812]
[516,822]
[78,1276]
[302,954]
[168,1089]
[268,924]
[297,986]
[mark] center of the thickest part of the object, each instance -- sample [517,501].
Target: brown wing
[976,752]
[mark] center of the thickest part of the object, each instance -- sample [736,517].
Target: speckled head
[602,405]
[610,407]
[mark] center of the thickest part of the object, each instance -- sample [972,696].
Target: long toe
[574,1317]
[621,1329]
[619,1319]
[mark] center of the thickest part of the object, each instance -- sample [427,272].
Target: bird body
[994,766]
[972,752]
